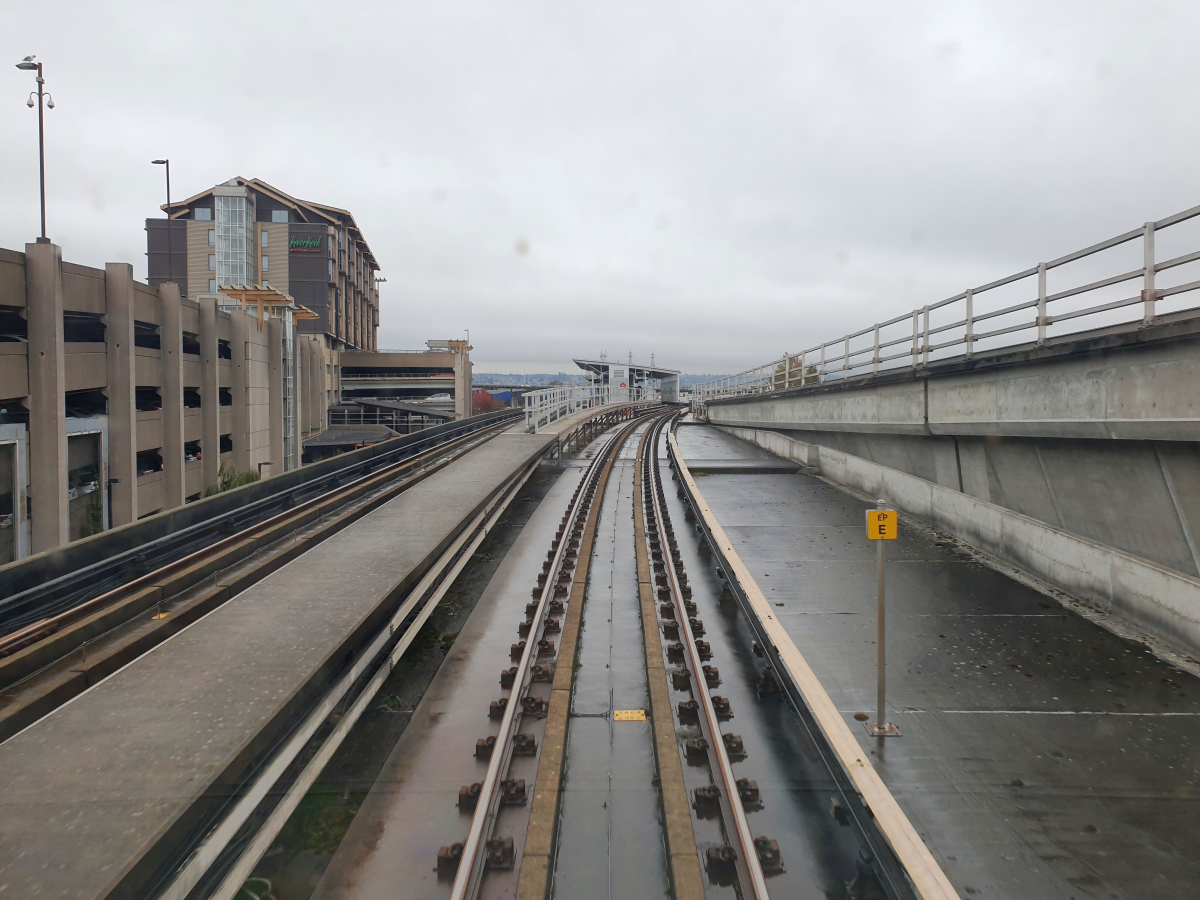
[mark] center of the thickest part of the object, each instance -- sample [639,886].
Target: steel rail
[208,854]
[737,825]
[472,861]
[51,624]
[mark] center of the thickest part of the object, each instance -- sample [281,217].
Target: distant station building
[630,380]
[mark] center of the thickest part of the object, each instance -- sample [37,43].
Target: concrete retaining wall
[1159,600]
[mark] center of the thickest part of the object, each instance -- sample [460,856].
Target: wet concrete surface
[610,838]
[820,855]
[391,847]
[1042,756]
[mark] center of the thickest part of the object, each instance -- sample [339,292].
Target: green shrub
[229,478]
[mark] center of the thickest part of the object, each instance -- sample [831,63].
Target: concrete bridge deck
[128,768]
[1041,756]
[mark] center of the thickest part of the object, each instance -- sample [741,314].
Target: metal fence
[987,318]
[552,404]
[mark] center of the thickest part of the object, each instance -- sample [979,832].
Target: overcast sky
[713,182]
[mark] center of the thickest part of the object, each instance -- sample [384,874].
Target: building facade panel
[149,432]
[86,366]
[148,367]
[12,278]
[83,289]
[14,370]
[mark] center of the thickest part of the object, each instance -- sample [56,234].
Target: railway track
[540,686]
[38,595]
[53,659]
[222,853]
[764,808]
[555,610]
[744,856]
[736,805]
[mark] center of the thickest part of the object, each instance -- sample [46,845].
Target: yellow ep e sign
[881,524]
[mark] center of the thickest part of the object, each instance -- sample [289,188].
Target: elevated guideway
[154,761]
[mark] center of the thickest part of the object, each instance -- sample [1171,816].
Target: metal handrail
[838,360]
[546,406]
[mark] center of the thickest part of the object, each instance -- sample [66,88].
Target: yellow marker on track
[629,715]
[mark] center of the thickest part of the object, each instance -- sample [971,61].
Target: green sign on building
[305,244]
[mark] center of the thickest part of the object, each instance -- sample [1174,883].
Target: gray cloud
[713,182]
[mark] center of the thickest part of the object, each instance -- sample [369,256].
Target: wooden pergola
[268,303]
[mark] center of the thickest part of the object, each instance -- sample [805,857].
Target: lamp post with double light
[170,247]
[28,65]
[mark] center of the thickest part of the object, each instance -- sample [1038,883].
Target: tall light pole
[170,245]
[29,65]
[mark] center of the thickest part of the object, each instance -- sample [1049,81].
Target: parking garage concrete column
[171,353]
[275,407]
[240,414]
[462,384]
[122,392]
[47,396]
[210,394]
[303,383]
[316,402]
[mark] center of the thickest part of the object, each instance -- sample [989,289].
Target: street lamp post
[170,244]
[27,64]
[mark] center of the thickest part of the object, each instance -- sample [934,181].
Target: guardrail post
[969,337]
[803,354]
[875,358]
[821,370]
[916,348]
[1148,293]
[1041,315]
[925,339]
[846,355]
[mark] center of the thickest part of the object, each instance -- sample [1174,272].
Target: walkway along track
[46,664]
[563,578]
[889,843]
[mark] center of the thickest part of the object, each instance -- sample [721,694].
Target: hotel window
[212,263]
[279,216]
[203,214]
[265,238]
[212,286]
[266,263]
[212,238]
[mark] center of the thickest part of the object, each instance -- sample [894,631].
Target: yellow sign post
[882,525]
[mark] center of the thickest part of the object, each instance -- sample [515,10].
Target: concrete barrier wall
[1161,601]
